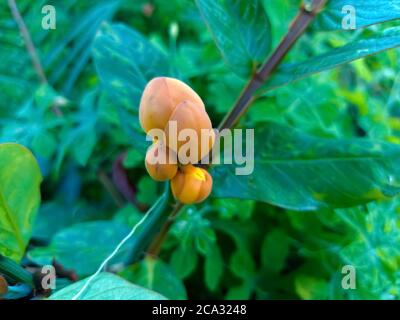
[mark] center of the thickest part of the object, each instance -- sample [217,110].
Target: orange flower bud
[191,184]
[161,162]
[187,115]
[159,100]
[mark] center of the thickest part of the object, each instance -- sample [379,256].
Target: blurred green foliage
[97,62]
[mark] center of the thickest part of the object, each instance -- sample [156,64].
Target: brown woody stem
[30,48]
[296,30]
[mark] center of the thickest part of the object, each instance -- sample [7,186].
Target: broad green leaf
[365,12]
[242,264]
[242,292]
[81,136]
[280,14]
[56,215]
[147,190]
[301,172]
[213,267]
[84,246]
[241,30]
[107,286]
[229,208]
[184,261]
[125,61]
[275,249]
[133,158]
[20,180]
[129,215]
[155,275]
[356,50]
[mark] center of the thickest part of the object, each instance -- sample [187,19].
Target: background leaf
[125,61]
[274,250]
[155,275]
[213,267]
[19,198]
[84,246]
[242,264]
[107,286]
[241,31]
[301,172]
[367,12]
[287,73]
[184,261]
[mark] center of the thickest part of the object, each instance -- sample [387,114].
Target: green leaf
[133,158]
[310,288]
[155,275]
[83,147]
[129,215]
[184,261]
[367,12]
[84,246]
[242,292]
[93,249]
[79,40]
[213,267]
[274,250]
[242,264]
[301,172]
[229,208]
[241,30]
[157,216]
[125,61]
[80,137]
[58,214]
[288,73]
[193,229]
[147,190]
[32,122]
[19,198]
[107,286]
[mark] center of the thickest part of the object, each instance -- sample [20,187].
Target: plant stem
[303,19]
[31,48]
[296,30]
[155,246]
[109,186]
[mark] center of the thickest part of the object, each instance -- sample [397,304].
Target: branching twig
[30,48]
[122,183]
[109,186]
[303,19]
